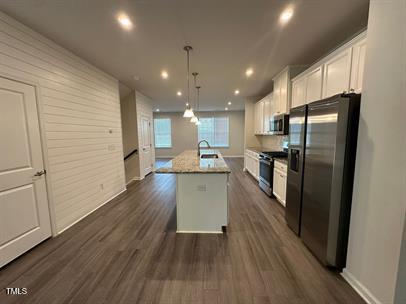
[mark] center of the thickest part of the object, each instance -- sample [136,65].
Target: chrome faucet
[198,146]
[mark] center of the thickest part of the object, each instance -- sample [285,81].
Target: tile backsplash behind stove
[274,142]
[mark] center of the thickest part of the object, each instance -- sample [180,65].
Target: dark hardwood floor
[128,252]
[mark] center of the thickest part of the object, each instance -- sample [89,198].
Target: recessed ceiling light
[236,92]
[226,108]
[125,21]
[164,74]
[179,93]
[249,72]
[286,15]
[229,103]
[157,110]
[136,77]
[187,104]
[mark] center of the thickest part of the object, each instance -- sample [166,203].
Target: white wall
[184,133]
[81,119]
[379,205]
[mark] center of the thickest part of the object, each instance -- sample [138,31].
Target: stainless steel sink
[209,156]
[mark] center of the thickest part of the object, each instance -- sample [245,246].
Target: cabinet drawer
[281,166]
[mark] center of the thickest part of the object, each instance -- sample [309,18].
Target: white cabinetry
[282,89]
[337,71]
[340,71]
[299,92]
[251,160]
[357,66]
[279,181]
[259,117]
[267,113]
[314,84]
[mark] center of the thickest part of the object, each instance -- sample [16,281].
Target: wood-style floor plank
[128,252]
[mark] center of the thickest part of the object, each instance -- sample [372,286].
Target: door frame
[44,147]
[150,135]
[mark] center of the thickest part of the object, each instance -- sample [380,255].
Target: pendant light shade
[188,111]
[194,119]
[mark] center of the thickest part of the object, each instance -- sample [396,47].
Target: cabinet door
[337,74]
[260,117]
[283,99]
[267,113]
[314,85]
[357,66]
[283,189]
[276,96]
[299,92]
[256,118]
[276,183]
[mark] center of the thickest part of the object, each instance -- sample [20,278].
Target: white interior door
[24,214]
[146,152]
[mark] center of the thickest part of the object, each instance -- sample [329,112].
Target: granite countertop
[189,162]
[255,149]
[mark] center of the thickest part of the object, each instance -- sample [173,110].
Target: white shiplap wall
[81,116]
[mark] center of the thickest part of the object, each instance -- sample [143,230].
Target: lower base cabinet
[279,181]
[251,160]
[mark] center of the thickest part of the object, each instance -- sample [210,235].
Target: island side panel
[202,202]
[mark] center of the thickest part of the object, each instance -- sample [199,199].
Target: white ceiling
[228,36]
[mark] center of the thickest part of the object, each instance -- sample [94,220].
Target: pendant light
[188,111]
[197,106]
[194,118]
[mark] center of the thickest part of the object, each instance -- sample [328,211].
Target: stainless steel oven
[279,124]
[266,164]
[266,174]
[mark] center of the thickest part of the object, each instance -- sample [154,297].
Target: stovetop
[274,154]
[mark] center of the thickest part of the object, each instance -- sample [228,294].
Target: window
[162,132]
[214,130]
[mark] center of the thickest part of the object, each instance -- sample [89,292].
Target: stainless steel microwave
[279,124]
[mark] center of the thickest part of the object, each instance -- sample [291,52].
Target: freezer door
[297,134]
[321,135]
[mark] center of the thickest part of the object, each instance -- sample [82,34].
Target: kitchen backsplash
[274,143]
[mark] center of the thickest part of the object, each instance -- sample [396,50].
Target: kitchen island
[201,191]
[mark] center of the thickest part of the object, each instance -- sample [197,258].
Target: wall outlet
[201,188]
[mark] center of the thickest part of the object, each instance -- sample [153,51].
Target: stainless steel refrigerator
[321,161]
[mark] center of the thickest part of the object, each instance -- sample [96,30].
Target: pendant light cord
[188,85]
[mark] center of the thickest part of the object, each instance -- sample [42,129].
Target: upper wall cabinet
[259,117]
[262,115]
[299,92]
[314,84]
[337,73]
[267,113]
[357,66]
[340,71]
[282,87]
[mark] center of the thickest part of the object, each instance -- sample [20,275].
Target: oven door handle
[264,161]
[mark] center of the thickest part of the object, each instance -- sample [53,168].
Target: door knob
[39,173]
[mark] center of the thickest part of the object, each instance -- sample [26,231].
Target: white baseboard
[137,178]
[81,218]
[213,232]
[360,288]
